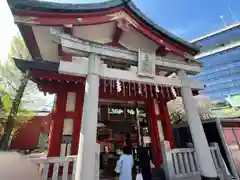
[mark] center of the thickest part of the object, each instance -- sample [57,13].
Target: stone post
[86,165]
[208,170]
[167,160]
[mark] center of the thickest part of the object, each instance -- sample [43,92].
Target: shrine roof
[40,6]
[24,65]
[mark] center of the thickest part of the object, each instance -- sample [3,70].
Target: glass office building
[220,54]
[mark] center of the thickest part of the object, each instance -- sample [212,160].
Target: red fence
[28,136]
[232,135]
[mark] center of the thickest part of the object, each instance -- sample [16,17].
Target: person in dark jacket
[144,163]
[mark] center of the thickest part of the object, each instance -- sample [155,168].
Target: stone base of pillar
[210,178]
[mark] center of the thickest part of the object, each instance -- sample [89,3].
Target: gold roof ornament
[26,20]
[123,15]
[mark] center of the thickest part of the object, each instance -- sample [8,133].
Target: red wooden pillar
[55,135]
[77,119]
[167,129]
[152,119]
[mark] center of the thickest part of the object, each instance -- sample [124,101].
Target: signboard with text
[146,64]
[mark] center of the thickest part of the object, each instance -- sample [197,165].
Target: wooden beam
[65,56]
[115,44]
[76,45]
[161,51]
[168,74]
[117,34]
[30,40]
[58,19]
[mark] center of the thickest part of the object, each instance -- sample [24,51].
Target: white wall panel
[71,102]
[68,127]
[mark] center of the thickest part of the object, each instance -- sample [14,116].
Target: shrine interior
[120,124]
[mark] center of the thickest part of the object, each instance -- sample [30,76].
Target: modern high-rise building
[220,53]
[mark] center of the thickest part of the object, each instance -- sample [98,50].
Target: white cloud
[186,29]
[180,31]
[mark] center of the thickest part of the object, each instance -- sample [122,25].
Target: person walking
[145,163]
[125,164]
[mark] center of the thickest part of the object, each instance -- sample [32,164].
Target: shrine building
[111,70]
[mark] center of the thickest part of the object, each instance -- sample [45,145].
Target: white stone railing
[219,161]
[61,168]
[183,163]
[56,167]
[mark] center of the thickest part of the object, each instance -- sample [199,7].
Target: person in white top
[125,164]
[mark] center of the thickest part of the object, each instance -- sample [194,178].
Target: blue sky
[190,18]
[186,18]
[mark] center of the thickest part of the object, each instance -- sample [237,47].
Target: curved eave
[194,49]
[25,65]
[43,6]
[44,70]
[102,7]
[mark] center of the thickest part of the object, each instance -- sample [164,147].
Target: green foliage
[177,111]
[10,82]
[234,100]
[22,115]
[10,75]
[19,49]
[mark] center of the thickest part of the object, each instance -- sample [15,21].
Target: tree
[177,112]
[9,125]
[13,84]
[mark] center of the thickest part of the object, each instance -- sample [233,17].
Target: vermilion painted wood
[166,122]
[30,40]
[161,51]
[57,124]
[64,55]
[154,133]
[107,91]
[54,19]
[23,141]
[116,44]
[67,57]
[78,119]
[117,34]
[56,76]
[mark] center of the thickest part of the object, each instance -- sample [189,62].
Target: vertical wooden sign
[146,64]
